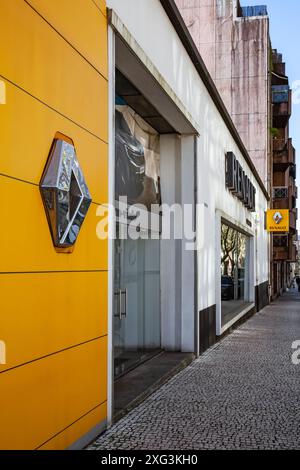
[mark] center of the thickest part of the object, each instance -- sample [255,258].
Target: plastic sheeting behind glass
[137,159]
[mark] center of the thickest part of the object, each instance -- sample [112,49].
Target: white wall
[170,254]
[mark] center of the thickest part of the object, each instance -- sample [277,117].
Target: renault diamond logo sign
[277,217]
[278,220]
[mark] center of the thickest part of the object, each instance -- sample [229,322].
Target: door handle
[117,304]
[120,304]
[123,303]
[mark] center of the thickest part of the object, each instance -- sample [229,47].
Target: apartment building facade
[285,191]
[235,44]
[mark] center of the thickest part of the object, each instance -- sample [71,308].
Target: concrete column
[170,170]
[188,275]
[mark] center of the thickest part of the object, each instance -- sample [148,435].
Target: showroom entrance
[152,287]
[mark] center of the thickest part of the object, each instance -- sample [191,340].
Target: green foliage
[274,132]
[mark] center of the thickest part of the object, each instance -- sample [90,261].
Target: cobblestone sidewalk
[242,394]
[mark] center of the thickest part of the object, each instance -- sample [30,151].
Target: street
[241,394]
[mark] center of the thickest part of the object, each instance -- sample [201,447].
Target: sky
[285,36]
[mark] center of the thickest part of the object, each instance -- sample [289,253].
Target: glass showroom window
[137,334]
[234,272]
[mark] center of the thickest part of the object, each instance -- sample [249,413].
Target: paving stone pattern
[244,393]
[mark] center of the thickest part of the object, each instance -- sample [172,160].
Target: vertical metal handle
[117,311]
[123,303]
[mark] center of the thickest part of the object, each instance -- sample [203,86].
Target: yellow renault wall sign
[278,220]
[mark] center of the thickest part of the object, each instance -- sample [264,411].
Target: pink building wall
[236,52]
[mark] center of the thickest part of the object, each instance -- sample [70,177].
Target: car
[227,288]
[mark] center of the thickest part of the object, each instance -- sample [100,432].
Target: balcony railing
[256,10]
[280,94]
[284,197]
[280,192]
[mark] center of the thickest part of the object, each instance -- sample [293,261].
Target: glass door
[136,301]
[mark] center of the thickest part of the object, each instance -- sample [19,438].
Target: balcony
[284,154]
[282,105]
[284,248]
[280,248]
[281,197]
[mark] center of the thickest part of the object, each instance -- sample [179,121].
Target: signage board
[278,220]
[238,182]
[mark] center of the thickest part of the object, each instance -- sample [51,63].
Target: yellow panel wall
[25,159]
[53,306]
[73,15]
[39,60]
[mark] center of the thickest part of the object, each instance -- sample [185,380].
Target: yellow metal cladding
[26,244]
[62,320]
[43,398]
[89,421]
[101,4]
[25,159]
[39,60]
[53,77]
[73,14]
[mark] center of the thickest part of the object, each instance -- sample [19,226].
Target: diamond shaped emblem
[277,217]
[65,193]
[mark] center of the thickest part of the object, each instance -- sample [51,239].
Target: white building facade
[190,298]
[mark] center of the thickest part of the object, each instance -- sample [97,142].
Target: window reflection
[234,272]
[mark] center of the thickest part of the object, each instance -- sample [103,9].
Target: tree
[228,246]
